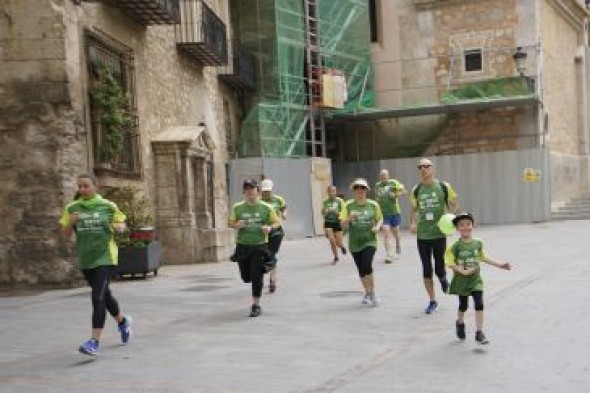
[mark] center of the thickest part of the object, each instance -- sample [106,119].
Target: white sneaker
[367,298]
[374,300]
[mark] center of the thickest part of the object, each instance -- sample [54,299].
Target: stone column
[176,223]
[201,186]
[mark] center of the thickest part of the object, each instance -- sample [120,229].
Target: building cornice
[572,11]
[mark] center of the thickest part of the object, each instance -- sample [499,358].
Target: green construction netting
[274,32]
[486,90]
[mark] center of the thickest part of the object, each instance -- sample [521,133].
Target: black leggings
[251,264]
[275,238]
[477,301]
[429,248]
[102,299]
[364,260]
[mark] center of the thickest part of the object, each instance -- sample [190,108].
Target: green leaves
[111,101]
[137,209]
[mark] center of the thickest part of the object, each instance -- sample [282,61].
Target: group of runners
[258,219]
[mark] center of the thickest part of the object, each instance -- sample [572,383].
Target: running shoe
[481,338]
[272,286]
[460,329]
[432,306]
[343,249]
[444,285]
[374,300]
[335,261]
[388,261]
[90,347]
[398,249]
[367,298]
[125,330]
[255,311]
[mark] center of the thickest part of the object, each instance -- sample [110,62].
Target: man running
[254,220]
[331,210]
[387,192]
[275,238]
[431,199]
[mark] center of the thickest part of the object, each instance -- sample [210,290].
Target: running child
[464,257]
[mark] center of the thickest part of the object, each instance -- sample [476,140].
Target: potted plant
[112,105]
[139,251]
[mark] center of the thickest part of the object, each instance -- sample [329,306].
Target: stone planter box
[140,260]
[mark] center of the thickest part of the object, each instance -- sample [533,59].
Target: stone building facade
[431,54]
[175,153]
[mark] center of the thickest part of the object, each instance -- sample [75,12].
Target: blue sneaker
[432,306]
[90,347]
[125,330]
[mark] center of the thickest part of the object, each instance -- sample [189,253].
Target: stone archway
[183,158]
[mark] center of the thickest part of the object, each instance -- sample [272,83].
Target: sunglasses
[359,188]
[424,166]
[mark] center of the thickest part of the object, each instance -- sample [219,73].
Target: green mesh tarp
[274,32]
[486,90]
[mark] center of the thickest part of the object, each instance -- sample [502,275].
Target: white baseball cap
[266,185]
[360,182]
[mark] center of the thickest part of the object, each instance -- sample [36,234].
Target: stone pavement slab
[192,333]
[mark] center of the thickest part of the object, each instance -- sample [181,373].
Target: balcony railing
[202,33]
[151,12]
[239,73]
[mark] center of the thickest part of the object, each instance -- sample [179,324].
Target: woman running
[331,210]
[363,218]
[254,220]
[94,219]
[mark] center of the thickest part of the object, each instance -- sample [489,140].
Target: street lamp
[520,58]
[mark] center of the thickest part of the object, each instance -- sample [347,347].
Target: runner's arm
[67,222]
[378,218]
[498,264]
[275,222]
[233,221]
[453,199]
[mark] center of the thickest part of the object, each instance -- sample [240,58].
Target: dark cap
[463,216]
[250,183]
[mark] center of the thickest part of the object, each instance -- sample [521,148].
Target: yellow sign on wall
[531,174]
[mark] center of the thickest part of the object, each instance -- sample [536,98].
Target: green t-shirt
[95,244]
[255,216]
[277,202]
[389,205]
[332,209]
[368,215]
[430,205]
[469,254]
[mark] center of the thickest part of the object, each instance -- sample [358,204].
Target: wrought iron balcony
[151,12]
[239,73]
[202,33]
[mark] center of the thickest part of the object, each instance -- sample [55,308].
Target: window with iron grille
[473,60]
[113,114]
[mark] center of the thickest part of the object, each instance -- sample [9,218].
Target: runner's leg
[425,251]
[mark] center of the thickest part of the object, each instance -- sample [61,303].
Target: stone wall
[486,131]
[561,37]
[570,177]
[44,129]
[41,140]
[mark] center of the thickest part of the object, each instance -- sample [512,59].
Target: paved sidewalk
[192,333]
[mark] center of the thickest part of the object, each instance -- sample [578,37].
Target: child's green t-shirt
[468,254]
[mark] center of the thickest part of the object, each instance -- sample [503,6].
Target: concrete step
[578,203]
[569,216]
[574,209]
